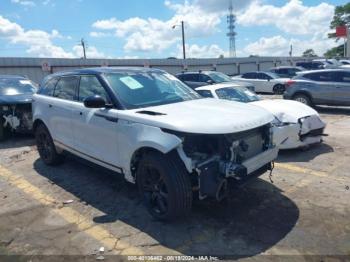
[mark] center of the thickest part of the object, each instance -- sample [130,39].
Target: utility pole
[348,42]
[183,39]
[83,45]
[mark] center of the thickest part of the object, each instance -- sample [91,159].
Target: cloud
[293,17]
[91,52]
[39,43]
[23,2]
[280,46]
[206,51]
[149,35]
[221,6]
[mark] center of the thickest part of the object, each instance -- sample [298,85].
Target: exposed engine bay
[218,159]
[16,117]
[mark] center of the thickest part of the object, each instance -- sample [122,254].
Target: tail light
[290,83]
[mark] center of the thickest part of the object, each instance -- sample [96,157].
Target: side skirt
[89,158]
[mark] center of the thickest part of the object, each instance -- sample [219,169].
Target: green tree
[309,53]
[341,17]
[335,52]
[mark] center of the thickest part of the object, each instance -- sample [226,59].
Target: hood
[286,110]
[202,116]
[16,99]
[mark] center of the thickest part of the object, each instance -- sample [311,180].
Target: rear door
[95,130]
[264,83]
[60,108]
[323,91]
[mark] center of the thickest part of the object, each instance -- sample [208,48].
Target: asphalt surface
[81,209]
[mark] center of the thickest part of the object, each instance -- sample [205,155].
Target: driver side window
[90,86]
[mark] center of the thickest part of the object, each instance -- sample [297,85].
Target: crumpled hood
[202,116]
[286,110]
[16,99]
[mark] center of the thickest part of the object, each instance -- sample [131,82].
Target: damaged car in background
[296,125]
[149,126]
[15,104]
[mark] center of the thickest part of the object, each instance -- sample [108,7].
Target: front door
[95,130]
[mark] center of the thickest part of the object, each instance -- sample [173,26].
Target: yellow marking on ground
[308,171]
[301,183]
[106,239]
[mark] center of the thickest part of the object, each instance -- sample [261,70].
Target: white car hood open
[286,110]
[202,116]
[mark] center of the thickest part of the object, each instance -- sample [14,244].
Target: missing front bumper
[214,175]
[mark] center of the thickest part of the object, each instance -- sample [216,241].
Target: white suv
[156,131]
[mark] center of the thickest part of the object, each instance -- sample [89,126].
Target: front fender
[134,136]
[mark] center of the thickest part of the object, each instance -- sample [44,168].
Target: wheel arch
[303,92]
[38,122]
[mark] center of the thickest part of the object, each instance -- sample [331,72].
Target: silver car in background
[320,87]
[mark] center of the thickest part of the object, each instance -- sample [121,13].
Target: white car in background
[296,125]
[264,82]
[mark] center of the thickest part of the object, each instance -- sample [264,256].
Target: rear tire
[164,186]
[303,99]
[46,147]
[279,89]
[2,131]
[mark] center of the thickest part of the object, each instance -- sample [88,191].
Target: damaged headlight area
[16,117]
[218,160]
[311,126]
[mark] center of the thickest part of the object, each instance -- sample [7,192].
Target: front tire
[46,147]
[279,89]
[303,99]
[164,186]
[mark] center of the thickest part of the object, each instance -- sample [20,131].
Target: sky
[144,29]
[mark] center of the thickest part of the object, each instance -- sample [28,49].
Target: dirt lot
[306,211]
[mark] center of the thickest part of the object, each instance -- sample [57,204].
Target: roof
[218,86]
[196,72]
[324,70]
[279,67]
[101,70]
[12,76]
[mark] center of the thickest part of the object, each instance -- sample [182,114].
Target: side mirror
[210,82]
[94,102]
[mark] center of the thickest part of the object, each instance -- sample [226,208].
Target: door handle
[50,106]
[81,113]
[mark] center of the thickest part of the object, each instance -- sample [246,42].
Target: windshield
[16,86]
[139,90]
[219,77]
[238,94]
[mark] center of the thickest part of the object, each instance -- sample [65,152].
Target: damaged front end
[16,117]
[215,161]
[307,131]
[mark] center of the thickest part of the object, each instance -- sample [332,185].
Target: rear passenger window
[320,77]
[65,88]
[249,75]
[205,93]
[48,88]
[190,77]
[90,86]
